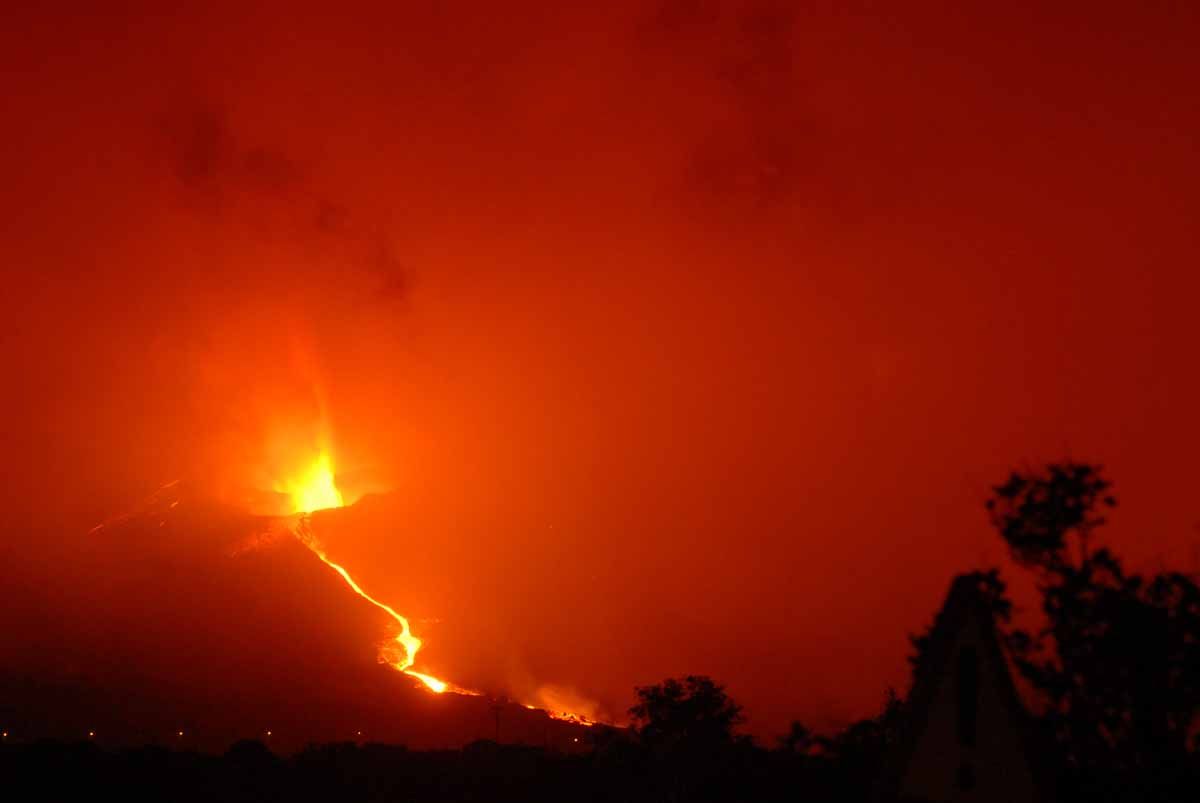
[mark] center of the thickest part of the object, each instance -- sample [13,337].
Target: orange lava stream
[315,489]
[401,657]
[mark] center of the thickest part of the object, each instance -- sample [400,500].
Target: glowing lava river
[316,490]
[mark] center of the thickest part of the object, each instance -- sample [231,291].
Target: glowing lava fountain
[315,490]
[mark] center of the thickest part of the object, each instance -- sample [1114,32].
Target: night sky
[676,337]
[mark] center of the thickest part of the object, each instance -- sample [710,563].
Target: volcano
[196,624]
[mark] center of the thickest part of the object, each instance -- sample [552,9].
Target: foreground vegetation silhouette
[1116,662]
[1112,672]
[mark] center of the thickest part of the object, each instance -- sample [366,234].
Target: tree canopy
[691,710]
[1117,658]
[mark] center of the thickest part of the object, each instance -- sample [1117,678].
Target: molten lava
[315,489]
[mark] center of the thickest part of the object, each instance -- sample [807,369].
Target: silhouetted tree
[692,710]
[687,727]
[856,754]
[1036,512]
[864,743]
[798,739]
[1118,658]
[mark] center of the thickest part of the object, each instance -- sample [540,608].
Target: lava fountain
[313,489]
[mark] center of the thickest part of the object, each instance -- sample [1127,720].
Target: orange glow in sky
[621,359]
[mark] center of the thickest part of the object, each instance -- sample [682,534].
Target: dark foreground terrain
[376,772]
[484,771]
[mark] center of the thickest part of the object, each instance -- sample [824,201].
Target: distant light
[181,733]
[5,734]
[268,733]
[576,739]
[359,733]
[91,734]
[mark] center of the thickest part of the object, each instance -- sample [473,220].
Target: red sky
[686,337]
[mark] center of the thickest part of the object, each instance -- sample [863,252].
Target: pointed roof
[927,748]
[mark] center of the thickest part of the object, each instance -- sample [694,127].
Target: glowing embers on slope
[565,704]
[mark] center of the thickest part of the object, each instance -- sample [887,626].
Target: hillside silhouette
[196,617]
[214,657]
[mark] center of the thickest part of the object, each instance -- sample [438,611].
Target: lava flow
[316,490]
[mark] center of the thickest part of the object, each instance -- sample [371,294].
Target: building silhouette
[966,735]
